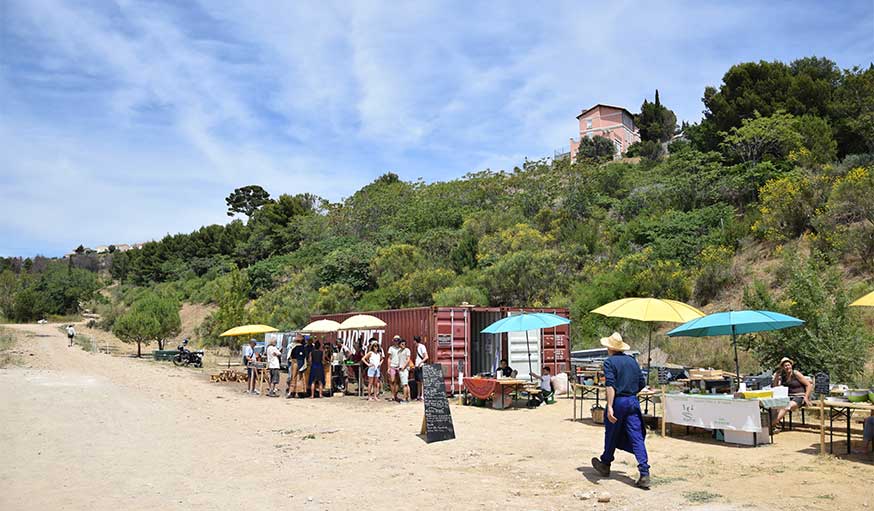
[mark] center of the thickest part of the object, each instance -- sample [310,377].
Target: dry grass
[8,355]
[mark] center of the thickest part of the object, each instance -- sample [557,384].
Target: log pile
[229,375]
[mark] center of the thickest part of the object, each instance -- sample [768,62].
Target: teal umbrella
[523,323]
[735,323]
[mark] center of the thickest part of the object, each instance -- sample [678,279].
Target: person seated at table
[546,388]
[505,370]
[799,388]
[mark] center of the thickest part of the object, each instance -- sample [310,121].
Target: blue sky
[121,121]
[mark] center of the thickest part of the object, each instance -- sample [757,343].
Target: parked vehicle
[185,356]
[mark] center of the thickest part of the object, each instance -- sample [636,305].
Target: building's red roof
[608,106]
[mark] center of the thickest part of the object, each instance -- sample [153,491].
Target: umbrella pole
[648,365]
[736,360]
[528,346]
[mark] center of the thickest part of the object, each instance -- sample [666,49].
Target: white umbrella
[362,322]
[322,326]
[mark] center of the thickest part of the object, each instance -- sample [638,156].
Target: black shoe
[601,468]
[643,482]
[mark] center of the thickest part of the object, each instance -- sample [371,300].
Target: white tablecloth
[713,412]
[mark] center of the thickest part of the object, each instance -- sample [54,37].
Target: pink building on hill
[612,122]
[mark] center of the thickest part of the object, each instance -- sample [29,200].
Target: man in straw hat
[624,427]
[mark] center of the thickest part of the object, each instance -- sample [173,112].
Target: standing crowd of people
[307,359]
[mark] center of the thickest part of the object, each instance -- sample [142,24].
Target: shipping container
[453,339]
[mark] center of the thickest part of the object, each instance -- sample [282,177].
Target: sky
[122,121]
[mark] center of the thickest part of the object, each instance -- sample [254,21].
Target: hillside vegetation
[782,166]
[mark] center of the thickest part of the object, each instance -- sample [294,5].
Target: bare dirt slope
[91,431]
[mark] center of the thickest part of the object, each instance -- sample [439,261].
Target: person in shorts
[799,386]
[421,359]
[248,358]
[273,354]
[404,364]
[393,366]
[372,360]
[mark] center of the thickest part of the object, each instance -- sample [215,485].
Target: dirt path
[100,432]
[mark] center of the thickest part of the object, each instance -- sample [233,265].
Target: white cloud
[160,109]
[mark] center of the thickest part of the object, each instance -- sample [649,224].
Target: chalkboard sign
[664,376]
[437,424]
[821,384]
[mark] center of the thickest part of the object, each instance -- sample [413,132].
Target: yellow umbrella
[650,310]
[865,301]
[362,322]
[322,326]
[248,330]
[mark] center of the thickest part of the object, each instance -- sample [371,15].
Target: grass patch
[310,437]
[656,481]
[7,342]
[826,496]
[701,497]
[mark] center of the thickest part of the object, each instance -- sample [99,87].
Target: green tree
[151,317]
[852,111]
[335,298]
[772,137]
[119,266]
[832,337]
[817,144]
[805,86]
[349,265]
[393,262]
[247,200]
[655,122]
[595,149]
[457,295]
[233,295]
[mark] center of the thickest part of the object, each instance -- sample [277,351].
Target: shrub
[833,338]
[789,205]
[713,274]
[456,295]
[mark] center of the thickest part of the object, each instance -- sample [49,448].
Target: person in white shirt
[421,359]
[393,366]
[545,386]
[71,334]
[404,368]
[248,358]
[372,359]
[273,354]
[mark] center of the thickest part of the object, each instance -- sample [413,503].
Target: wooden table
[645,397]
[837,409]
[503,387]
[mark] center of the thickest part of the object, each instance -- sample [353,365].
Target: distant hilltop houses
[614,123]
[105,249]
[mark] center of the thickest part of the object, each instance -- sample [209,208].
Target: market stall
[743,421]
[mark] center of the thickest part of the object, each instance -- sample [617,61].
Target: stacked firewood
[229,375]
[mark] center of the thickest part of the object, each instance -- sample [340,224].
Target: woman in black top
[799,387]
[317,369]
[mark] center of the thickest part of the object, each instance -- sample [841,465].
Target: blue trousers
[627,433]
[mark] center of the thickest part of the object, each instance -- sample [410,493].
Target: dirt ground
[100,432]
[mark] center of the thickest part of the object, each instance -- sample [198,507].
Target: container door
[452,339]
[518,350]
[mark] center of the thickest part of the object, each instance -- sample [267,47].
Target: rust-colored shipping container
[452,336]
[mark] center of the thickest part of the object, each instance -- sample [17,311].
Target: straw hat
[784,360]
[614,342]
